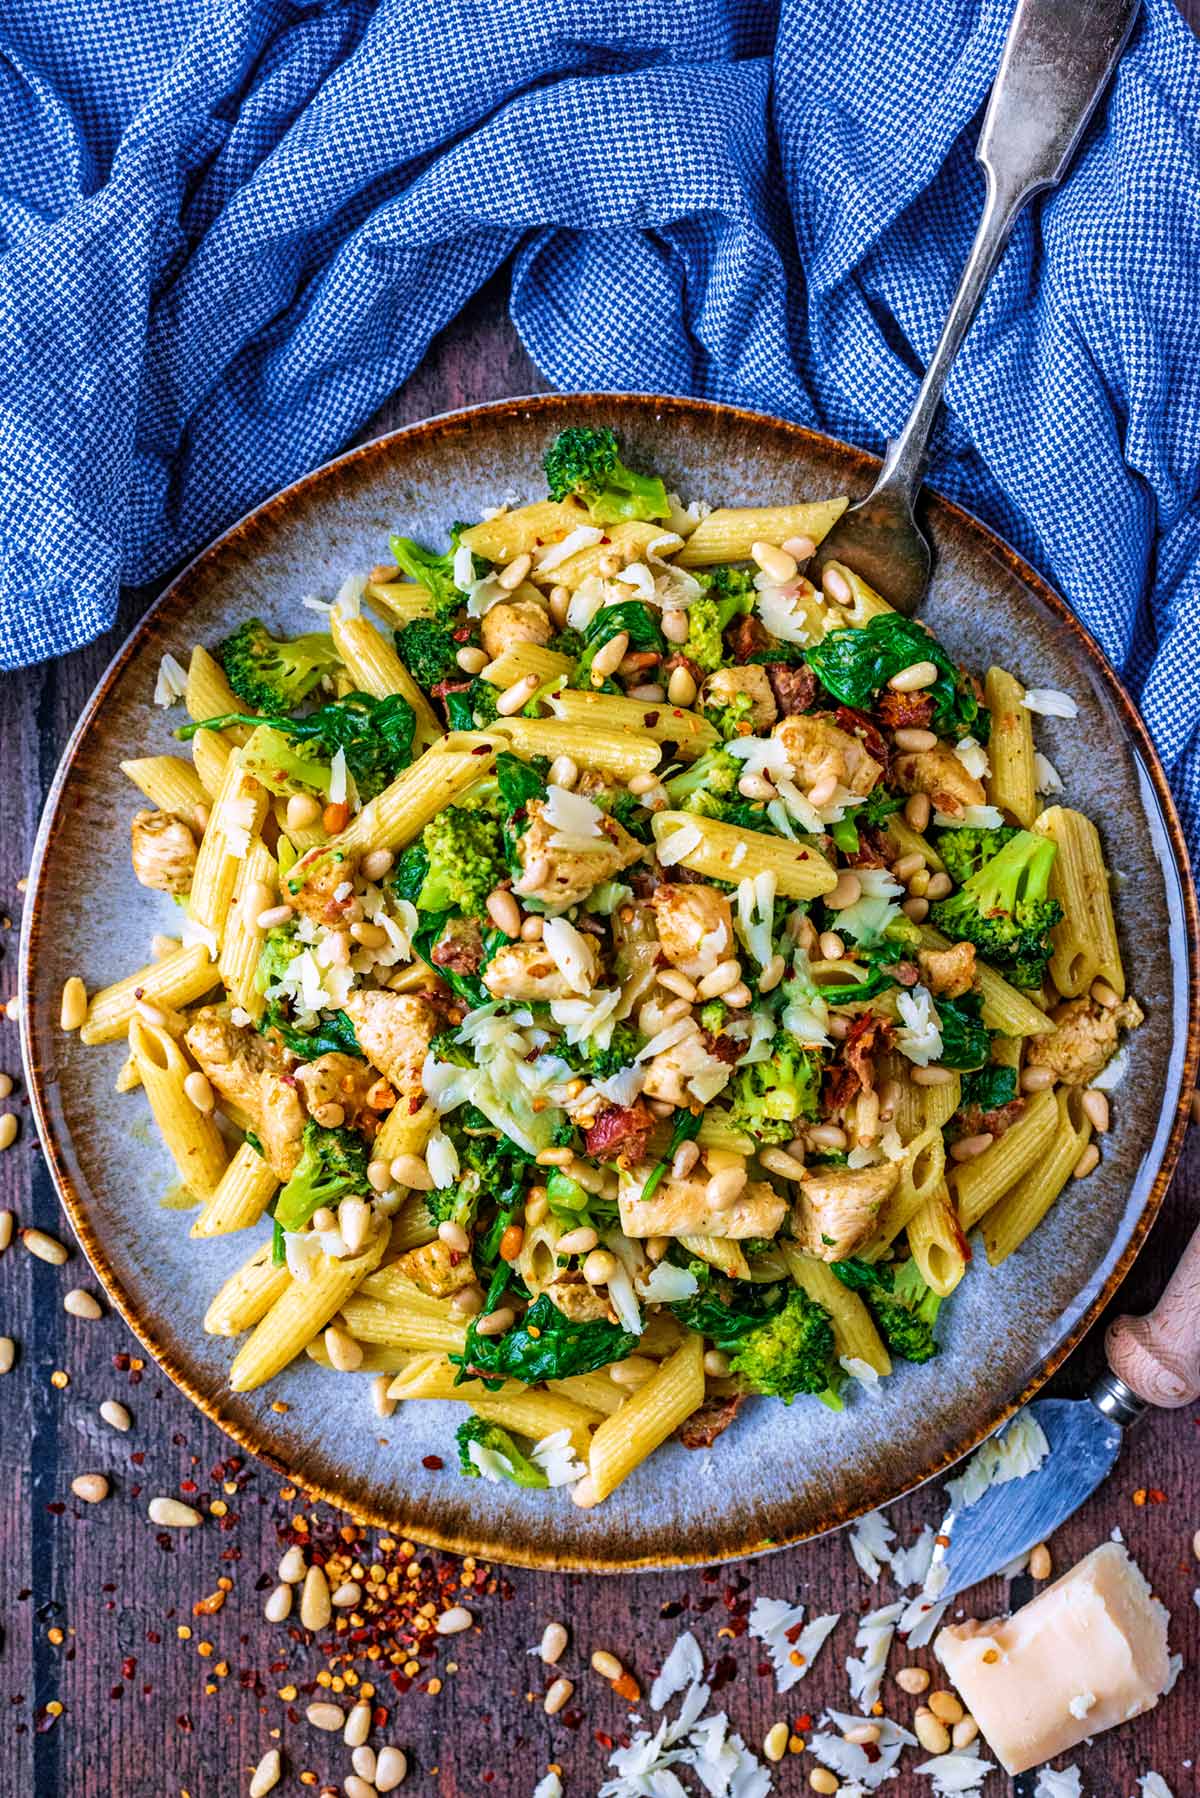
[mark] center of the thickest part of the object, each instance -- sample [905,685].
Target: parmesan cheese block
[1087,1653]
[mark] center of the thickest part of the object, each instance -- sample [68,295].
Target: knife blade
[1085,1437]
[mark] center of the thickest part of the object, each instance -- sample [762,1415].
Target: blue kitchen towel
[229,228]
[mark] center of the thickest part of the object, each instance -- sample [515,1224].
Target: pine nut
[939,886]
[315,1607]
[642,783]
[1040,1562]
[675,981]
[161,945]
[363,1762]
[907,865]
[563,772]
[199,1091]
[800,547]
[8,1129]
[931,1076]
[552,1644]
[1095,1109]
[46,1248]
[945,1707]
[472,659]
[344,1353]
[633,1371]
[964,1732]
[675,626]
[258,897]
[609,656]
[468,1302]
[913,678]
[1088,1162]
[302,812]
[379,1173]
[599,1267]
[916,741]
[607,566]
[681,688]
[410,1170]
[778,1161]
[278,1607]
[555,1157]
[496,1322]
[390,1768]
[578,1242]
[354,1787]
[716,1363]
[848,891]
[775,1742]
[115,1415]
[1104,995]
[504,912]
[606,1665]
[92,1488]
[371,936]
[173,1514]
[772,974]
[775,563]
[384,573]
[454,1236]
[74,1006]
[266,1775]
[831,946]
[918,809]
[724,1188]
[515,698]
[376,863]
[454,1621]
[293,1566]
[358,1725]
[1036,1079]
[648,690]
[558,1695]
[968,1147]
[685,1158]
[330,1116]
[382,1401]
[916,909]
[724,975]
[326,1716]
[930,1732]
[510,578]
[8,1354]
[559,602]
[863,1734]
[821,1779]
[826,1136]
[79,1303]
[912,1679]
[823,791]
[836,587]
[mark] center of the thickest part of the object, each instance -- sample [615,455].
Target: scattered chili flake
[433,1462]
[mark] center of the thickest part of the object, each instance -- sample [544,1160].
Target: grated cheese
[441,1158]
[874,1638]
[1065,1783]
[571,953]
[549,1786]
[555,1455]
[171,685]
[192,931]
[962,1771]
[584,536]
[871,1542]
[920,1039]
[792,1644]
[780,609]
[681,842]
[348,603]
[1050,702]
[1046,778]
[973,817]
[851,1761]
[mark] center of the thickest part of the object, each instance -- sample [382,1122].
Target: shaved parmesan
[1153,1785]
[1019,1450]
[584,536]
[874,1638]
[1046,777]
[555,1455]
[974,757]
[860,1370]
[781,607]
[238,817]
[720,1759]
[849,1760]
[441,1158]
[171,685]
[683,1666]
[571,953]
[348,603]
[761,755]
[574,820]
[623,1087]
[1050,702]
[192,931]
[667,1284]
[591,1017]
[679,843]
[920,1038]
[590,597]
[962,1771]
[1065,1783]
[549,1786]
[871,1542]
[667,1038]
[639,577]
[972,817]
[791,1644]
[756,914]
[489,1462]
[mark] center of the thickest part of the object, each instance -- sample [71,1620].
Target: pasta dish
[611,976]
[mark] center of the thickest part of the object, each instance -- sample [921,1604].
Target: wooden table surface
[95,1600]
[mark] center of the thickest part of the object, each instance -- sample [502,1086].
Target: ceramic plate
[779,1474]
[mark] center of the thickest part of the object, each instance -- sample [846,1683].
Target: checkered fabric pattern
[229,228]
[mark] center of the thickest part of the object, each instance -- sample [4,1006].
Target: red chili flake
[482,750]
[650,719]
[602,1740]
[803,1722]
[433,1462]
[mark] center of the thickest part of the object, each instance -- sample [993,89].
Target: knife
[1152,1361]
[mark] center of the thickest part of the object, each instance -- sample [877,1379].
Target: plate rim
[552,1558]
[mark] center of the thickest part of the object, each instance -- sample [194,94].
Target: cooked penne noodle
[405,1132]
[243,938]
[597,1392]
[242,1194]
[978,1184]
[209,695]
[237,818]
[168,782]
[631,541]
[411,1226]
[619,752]
[1085,942]
[398,814]
[193,1139]
[1005,1008]
[248,1294]
[690,733]
[729,533]
[854,1332]
[922,1169]
[399,601]
[1010,785]
[211,750]
[179,979]
[941,1102]
[718,1251]
[727,852]
[525,530]
[937,1244]
[301,1310]
[520,659]
[907,841]
[865,603]
[647,1417]
[1026,1203]
[375,668]
[403,1325]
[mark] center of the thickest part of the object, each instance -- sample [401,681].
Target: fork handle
[1158,1356]
[1056,62]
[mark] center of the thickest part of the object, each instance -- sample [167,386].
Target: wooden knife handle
[1158,1356]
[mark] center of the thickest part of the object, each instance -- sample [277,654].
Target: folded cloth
[228,230]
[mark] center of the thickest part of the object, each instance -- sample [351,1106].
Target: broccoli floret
[486,1451]
[791,1352]
[474,707]
[715,773]
[489,1167]
[445,1046]
[273,674]
[729,593]
[466,861]
[435,572]
[965,851]
[904,1308]
[599,1063]
[1003,908]
[569,642]
[732,719]
[713,1015]
[428,651]
[587,463]
[628,810]
[374,735]
[770,1098]
[332,1164]
[280,948]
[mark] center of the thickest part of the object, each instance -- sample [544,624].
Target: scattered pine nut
[1095,1107]
[347,1595]
[964,1732]
[863,1734]
[92,1488]
[453,1621]
[554,1636]
[293,1566]
[358,1725]
[945,1707]
[558,1695]
[46,1248]
[354,1787]
[74,1006]
[315,1607]
[390,1768]
[82,1304]
[8,1129]
[278,1607]
[1039,1565]
[606,1665]
[328,1717]
[6,1085]
[363,1762]
[381,1399]
[912,1679]
[266,1775]
[8,1354]
[173,1514]
[1196,1545]
[6,1230]
[775,1742]
[822,1780]
[931,1732]
[115,1414]
[1087,1164]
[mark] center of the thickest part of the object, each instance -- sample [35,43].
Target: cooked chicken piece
[669,1074]
[436,1269]
[582,1303]
[164,852]
[281,1119]
[939,773]
[564,876]
[528,971]
[394,1031]
[514,621]
[948,972]
[336,1079]
[683,1208]
[233,1057]
[836,1208]
[1084,1039]
[817,747]
[695,927]
[314,881]
[725,685]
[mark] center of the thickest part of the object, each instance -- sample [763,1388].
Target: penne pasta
[1010,785]
[243,938]
[907,841]
[854,1332]
[647,1418]
[520,659]
[193,1139]
[375,668]
[976,1185]
[1026,1203]
[631,541]
[937,1244]
[688,731]
[180,978]
[865,603]
[168,782]
[211,750]
[399,601]
[301,1310]
[718,1251]
[727,852]
[209,695]
[240,1197]
[1085,942]
[622,753]
[237,818]
[404,1325]
[1005,1008]
[527,530]
[729,533]
[398,814]
[248,1294]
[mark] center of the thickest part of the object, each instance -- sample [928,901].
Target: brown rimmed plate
[779,1475]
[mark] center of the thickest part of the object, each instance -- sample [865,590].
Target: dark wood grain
[102,1577]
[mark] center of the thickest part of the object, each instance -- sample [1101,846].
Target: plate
[779,1475]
